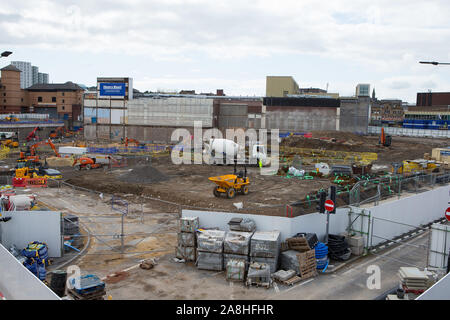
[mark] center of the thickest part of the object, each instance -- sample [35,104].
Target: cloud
[380,40]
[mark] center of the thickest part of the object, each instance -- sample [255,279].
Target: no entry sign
[329,205]
[447,214]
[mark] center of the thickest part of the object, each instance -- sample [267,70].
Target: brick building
[59,100]
[430,99]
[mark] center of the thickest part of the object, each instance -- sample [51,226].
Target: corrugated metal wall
[170,111]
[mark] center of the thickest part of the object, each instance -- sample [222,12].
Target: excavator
[11,118]
[30,153]
[60,132]
[127,140]
[385,140]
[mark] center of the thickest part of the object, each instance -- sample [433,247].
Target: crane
[32,134]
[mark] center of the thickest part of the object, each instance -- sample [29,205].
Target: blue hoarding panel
[112,89]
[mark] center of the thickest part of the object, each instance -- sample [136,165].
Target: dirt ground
[188,185]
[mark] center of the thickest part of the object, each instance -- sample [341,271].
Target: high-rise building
[35,72]
[26,75]
[42,77]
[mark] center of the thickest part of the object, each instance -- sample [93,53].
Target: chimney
[219,92]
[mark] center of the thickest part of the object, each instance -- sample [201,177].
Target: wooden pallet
[91,296]
[290,281]
[266,285]
[308,274]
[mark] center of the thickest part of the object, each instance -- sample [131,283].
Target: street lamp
[433,62]
[6,53]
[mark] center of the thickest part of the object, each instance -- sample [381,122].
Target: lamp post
[5,53]
[434,62]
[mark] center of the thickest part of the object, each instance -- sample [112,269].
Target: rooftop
[11,68]
[55,86]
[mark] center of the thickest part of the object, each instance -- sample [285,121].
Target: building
[430,99]
[42,78]
[59,100]
[26,76]
[363,90]
[35,74]
[13,98]
[293,114]
[281,86]
[427,117]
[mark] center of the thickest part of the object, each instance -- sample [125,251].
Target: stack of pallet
[265,248]
[300,257]
[414,280]
[237,246]
[186,238]
[235,269]
[210,249]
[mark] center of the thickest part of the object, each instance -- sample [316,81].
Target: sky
[205,45]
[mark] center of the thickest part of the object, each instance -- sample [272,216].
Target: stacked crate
[300,257]
[265,248]
[186,239]
[237,246]
[236,269]
[210,249]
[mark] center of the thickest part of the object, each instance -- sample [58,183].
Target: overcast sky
[233,45]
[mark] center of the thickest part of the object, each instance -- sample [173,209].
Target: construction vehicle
[30,152]
[129,140]
[86,163]
[225,151]
[11,118]
[9,140]
[30,169]
[60,132]
[414,166]
[385,140]
[230,184]
[32,135]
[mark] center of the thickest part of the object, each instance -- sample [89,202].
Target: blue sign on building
[112,89]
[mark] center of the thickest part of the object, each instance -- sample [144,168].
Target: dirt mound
[316,143]
[143,174]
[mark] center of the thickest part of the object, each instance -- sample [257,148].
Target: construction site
[147,228]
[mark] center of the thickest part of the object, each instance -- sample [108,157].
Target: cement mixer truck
[225,151]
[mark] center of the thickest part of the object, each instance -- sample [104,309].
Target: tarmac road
[350,282]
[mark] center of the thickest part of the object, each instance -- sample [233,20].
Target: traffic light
[333,197]
[321,205]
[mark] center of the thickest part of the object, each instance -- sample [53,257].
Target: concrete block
[357,251]
[355,241]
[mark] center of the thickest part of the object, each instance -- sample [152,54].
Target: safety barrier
[29,182]
[410,132]
[130,149]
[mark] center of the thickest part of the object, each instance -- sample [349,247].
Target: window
[63,107]
[21,99]
[63,94]
[39,99]
[63,100]
[4,94]
[53,99]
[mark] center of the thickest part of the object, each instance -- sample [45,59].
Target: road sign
[329,205]
[447,214]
